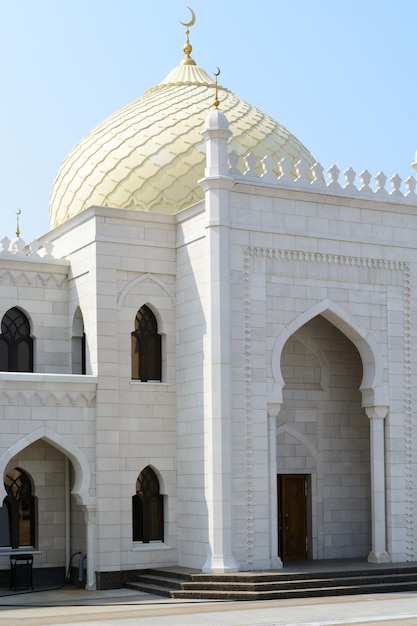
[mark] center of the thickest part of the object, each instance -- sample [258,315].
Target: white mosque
[210,361]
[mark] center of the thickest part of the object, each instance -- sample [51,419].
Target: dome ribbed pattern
[146,155]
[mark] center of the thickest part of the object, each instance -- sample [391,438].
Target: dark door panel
[292,516]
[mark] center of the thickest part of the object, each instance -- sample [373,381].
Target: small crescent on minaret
[192,21]
[216,97]
[18,212]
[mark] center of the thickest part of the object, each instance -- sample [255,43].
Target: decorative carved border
[48,398]
[31,278]
[319,257]
[408,419]
[248,407]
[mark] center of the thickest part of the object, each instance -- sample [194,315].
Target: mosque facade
[210,359]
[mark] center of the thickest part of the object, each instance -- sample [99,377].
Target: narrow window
[146,347]
[78,344]
[16,344]
[20,504]
[148,508]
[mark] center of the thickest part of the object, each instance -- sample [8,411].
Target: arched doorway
[322,372]
[63,518]
[56,520]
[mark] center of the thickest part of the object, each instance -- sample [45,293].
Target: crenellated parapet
[302,176]
[17,248]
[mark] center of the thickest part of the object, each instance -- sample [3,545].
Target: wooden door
[292,516]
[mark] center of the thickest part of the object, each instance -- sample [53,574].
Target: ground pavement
[124,607]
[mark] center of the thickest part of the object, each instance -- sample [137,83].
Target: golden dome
[146,155]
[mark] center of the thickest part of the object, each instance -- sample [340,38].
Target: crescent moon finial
[187,46]
[192,21]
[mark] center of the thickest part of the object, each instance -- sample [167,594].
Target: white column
[67,508]
[275,559]
[218,351]
[90,520]
[376,416]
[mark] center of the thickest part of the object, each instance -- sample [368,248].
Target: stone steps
[274,585]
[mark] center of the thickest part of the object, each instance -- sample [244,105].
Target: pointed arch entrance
[60,482]
[327,378]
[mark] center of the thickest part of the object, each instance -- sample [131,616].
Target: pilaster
[218,351]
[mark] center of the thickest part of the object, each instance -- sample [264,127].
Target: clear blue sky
[341,76]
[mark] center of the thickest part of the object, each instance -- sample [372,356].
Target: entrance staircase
[319,581]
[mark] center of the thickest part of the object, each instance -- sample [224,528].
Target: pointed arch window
[16,344]
[148,508]
[20,504]
[146,347]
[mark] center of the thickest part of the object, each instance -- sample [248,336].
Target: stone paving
[118,607]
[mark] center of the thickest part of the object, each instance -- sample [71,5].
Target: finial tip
[18,212]
[216,97]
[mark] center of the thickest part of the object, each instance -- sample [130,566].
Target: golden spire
[216,93]
[18,212]
[187,60]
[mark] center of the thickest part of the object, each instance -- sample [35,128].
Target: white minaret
[217,348]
